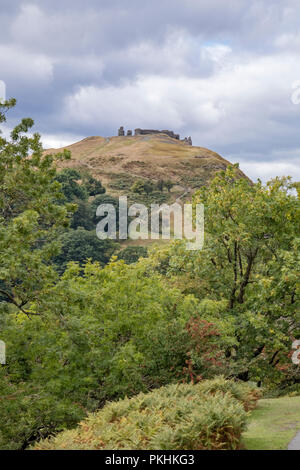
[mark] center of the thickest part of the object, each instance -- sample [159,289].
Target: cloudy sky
[226,72]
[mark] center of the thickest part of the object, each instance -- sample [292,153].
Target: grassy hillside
[120,161]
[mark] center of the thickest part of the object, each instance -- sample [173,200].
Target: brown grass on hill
[153,157]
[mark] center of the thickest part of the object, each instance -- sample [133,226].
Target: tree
[257,226]
[31,215]
[80,245]
[247,224]
[76,188]
[169,185]
[83,216]
[72,190]
[142,187]
[94,187]
[131,254]
[104,199]
[160,185]
[249,263]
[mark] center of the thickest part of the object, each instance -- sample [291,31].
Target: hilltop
[122,160]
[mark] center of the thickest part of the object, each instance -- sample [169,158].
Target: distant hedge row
[209,415]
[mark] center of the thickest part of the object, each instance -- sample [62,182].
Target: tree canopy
[31,215]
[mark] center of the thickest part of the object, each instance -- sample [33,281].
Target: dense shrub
[244,392]
[29,412]
[93,186]
[284,391]
[172,417]
[68,178]
[80,245]
[131,254]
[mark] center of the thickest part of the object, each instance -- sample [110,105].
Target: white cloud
[218,53]
[2,91]
[29,23]
[179,52]
[21,64]
[49,141]
[236,103]
[266,170]
[246,102]
[56,141]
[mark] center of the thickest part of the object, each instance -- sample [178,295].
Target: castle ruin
[186,140]
[121,132]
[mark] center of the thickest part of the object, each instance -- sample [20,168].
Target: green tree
[131,254]
[69,177]
[142,187]
[83,216]
[94,187]
[249,261]
[104,199]
[247,225]
[31,215]
[80,245]
[160,185]
[169,185]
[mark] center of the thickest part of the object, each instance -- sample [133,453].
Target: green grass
[273,424]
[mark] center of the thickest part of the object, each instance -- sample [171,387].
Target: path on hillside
[295,443]
[187,191]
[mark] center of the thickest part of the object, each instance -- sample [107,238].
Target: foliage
[83,216]
[142,186]
[121,181]
[29,413]
[105,333]
[169,184]
[170,418]
[31,217]
[160,185]
[77,187]
[246,393]
[104,199]
[247,224]
[93,186]
[95,334]
[131,254]
[80,245]
[72,190]
[249,264]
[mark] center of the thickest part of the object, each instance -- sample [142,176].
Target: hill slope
[119,161]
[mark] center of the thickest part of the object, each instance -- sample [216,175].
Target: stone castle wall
[121,133]
[154,131]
